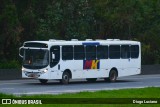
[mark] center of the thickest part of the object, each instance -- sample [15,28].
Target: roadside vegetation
[25,20]
[13,64]
[151,92]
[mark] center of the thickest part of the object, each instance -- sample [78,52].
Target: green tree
[10,30]
[27,18]
[67,19]
[23,20]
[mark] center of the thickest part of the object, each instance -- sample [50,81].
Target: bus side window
[67,52]
[79,53]
[102,52]
[125,51]
[90,52]
[134,51]
[56,51]
[114,51]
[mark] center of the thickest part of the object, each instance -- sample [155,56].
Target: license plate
[32,75]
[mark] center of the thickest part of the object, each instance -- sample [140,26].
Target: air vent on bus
[54,40]
[89,40]
[74,39]
[61,40]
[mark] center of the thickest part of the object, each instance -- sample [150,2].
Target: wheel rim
[113,76]
[65,77]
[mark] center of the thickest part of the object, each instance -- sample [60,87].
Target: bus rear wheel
[113,76]
[65,78]
[43,81]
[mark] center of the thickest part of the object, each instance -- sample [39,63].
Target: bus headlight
[46,70]
[23,69]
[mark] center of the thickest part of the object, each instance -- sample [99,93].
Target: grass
[151,92]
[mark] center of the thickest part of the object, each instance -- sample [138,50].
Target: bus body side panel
[131,66]
[55,73]
[75,66]
[115,64]
[96,69]
[78,71]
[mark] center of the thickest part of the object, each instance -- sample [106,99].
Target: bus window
[79,52]
[125,51]
[134,51]
[56,51]
[114,52]
[90,52]
[67,52]
[102,52]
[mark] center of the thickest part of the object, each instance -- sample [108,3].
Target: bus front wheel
[43,81]
[65,78]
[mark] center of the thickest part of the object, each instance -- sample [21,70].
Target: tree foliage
[23,20]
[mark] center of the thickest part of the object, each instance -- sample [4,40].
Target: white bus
[90,59]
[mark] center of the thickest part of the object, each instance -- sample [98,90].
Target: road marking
[141,77]
[7,88]
[9,83]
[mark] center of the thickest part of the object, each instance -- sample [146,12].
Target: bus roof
[85,42]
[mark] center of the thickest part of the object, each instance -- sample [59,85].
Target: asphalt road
[31,86]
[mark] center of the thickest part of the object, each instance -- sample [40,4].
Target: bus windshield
[35,58]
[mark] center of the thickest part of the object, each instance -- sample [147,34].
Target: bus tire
[113,75]
[43,81]
[65,78]
[91,79]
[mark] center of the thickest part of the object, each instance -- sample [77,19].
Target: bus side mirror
[21,52]
[53,55]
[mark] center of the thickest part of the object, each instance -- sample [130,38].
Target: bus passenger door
[54,60]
